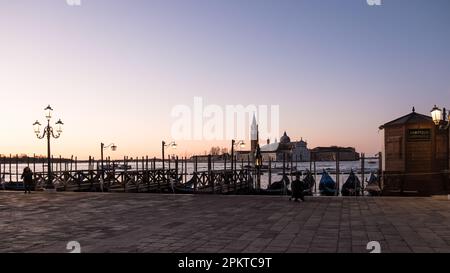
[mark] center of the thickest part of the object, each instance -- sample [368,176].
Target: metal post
[49,184]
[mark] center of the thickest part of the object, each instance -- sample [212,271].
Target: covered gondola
[278,188]
[373,185]
[187,187]
[327,186]
[351,187]
[308,183]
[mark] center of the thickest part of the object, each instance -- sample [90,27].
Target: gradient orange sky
[113,70]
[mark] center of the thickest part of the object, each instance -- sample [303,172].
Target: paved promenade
[205,223]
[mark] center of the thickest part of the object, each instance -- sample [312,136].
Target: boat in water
[351,187]
[327,186]
[308,183]
[278,188]
[373,185]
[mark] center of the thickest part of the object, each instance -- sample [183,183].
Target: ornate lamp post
[442,121]
[440,118]
[103,147]
[172,144]
[49,133]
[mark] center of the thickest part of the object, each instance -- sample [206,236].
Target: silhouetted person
[27,177]
[297,189]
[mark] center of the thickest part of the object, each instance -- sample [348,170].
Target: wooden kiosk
[416,157]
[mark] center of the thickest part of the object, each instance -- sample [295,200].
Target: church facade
[286,150]
[276,151]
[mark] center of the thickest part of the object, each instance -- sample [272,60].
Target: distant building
[329,153]
[290,150]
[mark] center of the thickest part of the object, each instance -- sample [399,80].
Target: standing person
[297,189]
[27,177]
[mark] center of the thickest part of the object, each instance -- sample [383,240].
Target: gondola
[308,183]
[278,188]
[373,187]
[12,186]
[351,187]
[187,187]
[327,186]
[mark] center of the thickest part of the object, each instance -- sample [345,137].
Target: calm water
[13,173]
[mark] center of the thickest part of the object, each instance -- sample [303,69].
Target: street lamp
[442,121]
[103,147]
[440,118]
[48,132]
[172,144]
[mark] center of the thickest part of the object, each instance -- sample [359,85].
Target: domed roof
[285,138]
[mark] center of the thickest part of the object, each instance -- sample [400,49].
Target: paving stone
[119,222]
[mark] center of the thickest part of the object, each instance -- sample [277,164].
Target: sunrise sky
[113,69]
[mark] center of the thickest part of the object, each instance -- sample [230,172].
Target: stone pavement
[106,222]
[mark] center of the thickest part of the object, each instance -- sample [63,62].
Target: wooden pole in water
[310,162]
[315,171]
[181,161]
[225,163]
[196,163]
[313,154]
[2,170]
[17,168]
[337,173]
[270,170]
[210,180]
[363,159]
[176,167]
[34,163]
[290,168]
[185,168]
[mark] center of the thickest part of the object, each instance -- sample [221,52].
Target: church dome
[285,138]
